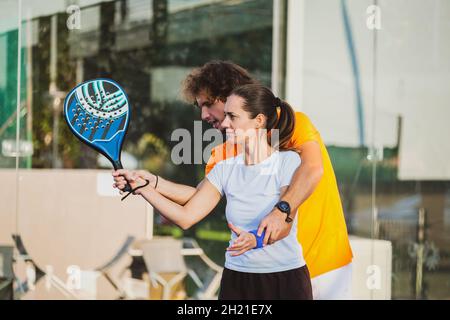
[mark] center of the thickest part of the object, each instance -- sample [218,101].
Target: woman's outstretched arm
[204,200]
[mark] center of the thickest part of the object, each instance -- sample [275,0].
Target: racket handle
[127,188]
[118,165]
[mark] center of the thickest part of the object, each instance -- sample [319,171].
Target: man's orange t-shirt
[321,228]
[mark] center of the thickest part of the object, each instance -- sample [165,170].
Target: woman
[253,182]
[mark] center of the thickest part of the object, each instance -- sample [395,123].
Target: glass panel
[10,72]
[412,186]
[71,221]
[377,89]
[15,146]
[335,91]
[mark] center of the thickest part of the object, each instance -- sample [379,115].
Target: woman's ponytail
[285,124]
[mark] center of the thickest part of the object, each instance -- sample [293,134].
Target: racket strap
[137,188]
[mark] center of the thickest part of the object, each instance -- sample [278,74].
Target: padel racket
[98,113]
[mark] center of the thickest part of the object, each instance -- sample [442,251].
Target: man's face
[211,110]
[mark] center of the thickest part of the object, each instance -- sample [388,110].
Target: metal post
[420,253]
[53,89]
[29,67]
[279,47]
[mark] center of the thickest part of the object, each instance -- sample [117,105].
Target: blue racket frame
[102,130]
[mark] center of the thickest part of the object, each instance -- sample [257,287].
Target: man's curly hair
[216,79]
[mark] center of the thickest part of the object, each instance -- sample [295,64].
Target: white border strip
[294,53]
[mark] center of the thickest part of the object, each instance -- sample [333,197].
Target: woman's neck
[257,151]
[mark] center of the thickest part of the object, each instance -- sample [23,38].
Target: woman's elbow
[185,225]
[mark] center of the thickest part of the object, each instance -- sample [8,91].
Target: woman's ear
[260,121]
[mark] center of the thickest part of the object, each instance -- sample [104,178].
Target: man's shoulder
[219,153]
[301,117]
[224,151]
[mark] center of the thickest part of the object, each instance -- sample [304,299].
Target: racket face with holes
[98,112]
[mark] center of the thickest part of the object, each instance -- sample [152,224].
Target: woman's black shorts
[293,284]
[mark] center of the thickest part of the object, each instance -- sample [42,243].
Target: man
[313,195]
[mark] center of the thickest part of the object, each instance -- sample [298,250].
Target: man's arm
[181,193]
[205,198]
[306,177]
[303,183]
[176,192]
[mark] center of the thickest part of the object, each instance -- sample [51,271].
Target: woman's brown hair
[261,100]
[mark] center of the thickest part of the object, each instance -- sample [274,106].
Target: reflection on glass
[378,103]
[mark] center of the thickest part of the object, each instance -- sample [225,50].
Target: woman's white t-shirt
[252,192]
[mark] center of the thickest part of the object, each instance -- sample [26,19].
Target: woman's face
[237,123]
